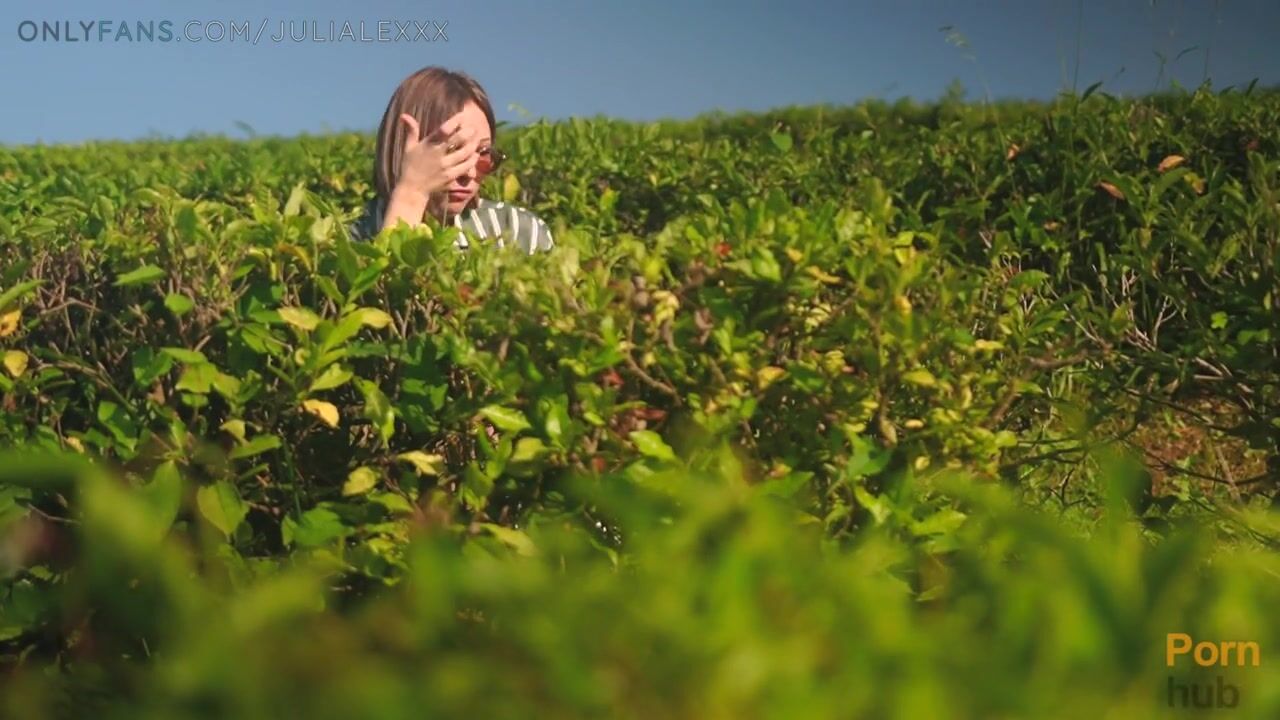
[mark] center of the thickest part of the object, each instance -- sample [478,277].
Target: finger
[448,128]
[460,139]
[463,150]
[457,171]
[412,128]
[464,154]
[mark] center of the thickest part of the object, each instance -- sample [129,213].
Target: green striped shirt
[502,223]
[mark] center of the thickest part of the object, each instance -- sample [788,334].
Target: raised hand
[431,164]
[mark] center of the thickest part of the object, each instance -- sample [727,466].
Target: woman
[440,173]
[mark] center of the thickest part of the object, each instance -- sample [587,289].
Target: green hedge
[852,329]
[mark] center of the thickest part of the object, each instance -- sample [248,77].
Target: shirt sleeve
[504,225]
[368,224]
[530,231]
[542,240]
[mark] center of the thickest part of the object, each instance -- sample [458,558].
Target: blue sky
[636,60]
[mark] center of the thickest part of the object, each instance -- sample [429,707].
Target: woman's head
[431,96]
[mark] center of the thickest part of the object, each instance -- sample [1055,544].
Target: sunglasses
[491,158]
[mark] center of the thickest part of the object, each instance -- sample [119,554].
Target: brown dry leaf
[1112,190]
[1013,151]
[1170,163]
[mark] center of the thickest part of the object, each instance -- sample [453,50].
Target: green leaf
[515,539]
[178,304]
[526,458]
[17,291]
[164,496]
[332,377]
[184,355]
[221,505]
[256,446]
[144,274]
[378,409]
[505,418]
[317,526]
[197,378]
[651,444]
[476,487]
[1028,279]
[1166,181]
[782,141]
[946,520]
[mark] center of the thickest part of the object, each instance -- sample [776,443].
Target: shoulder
[508,222]
[367,225]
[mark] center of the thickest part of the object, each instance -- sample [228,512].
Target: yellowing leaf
[1170,163]
[300,317]
[326,411]
[766,376]
[425,463]
[821,275]
[235,427]
[920,376]
[795,255]
[528,450]
[374,318]
[988,345]
[1111,190]
[15,361]
[360,481]
[9,322]
[510,188]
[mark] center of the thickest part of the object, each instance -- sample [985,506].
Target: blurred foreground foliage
[726,604]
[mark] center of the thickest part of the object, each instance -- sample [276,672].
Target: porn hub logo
[1180,650]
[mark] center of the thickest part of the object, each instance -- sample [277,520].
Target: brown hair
[431,96]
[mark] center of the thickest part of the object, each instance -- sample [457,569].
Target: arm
[406,203]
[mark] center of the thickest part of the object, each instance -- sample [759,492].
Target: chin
[457,207]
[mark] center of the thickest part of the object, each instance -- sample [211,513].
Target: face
[463,189]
